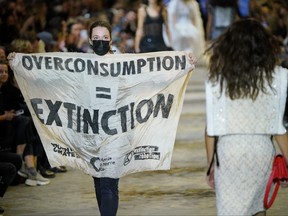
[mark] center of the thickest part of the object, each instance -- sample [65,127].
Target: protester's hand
[137,50]
[10,58]
[210,179]
[192,60]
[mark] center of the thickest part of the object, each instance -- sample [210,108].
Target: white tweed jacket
[245,116]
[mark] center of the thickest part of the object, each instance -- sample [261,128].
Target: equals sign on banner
[102,92]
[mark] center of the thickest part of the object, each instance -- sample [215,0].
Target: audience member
[2,53]
[50,44]
[22,122]
[74,41]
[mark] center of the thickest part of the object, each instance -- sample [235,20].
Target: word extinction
[93,67]
[110,122]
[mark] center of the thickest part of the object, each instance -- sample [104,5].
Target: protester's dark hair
[244,57]
[101,23]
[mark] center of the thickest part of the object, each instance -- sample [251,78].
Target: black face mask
[100,47]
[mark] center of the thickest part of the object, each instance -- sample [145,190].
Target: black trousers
[106,190]
[9,164]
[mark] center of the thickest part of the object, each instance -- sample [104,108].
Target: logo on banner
[142,153]
[99,164]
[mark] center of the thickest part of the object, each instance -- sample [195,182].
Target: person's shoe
[63,168]
[23,172]
[46,173]
[1,211]
[60,169]
[35,178]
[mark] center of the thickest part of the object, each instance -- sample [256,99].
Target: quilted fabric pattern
[241,178]
[245,116]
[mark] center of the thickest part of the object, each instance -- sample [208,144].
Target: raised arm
[166,24]
[209,144]
[139,31]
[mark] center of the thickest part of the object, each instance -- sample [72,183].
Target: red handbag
[279,173]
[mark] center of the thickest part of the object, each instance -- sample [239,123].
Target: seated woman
[20,124]
[9,162]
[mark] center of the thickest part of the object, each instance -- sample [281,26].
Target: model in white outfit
[186,26]
[245,149]
[244,124]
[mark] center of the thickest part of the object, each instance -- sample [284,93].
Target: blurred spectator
[2,53]
[255,9]
[264,15]
[9,164]
[9,25]
[117,21]
[49,42]
[221,13]
[22,123]
[204,11]
[123,28]
[74,40]
[6,116]
[277,20]
[244,8]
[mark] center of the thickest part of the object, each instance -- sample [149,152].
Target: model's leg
[263,213]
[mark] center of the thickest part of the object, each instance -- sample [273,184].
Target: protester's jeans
[106,190]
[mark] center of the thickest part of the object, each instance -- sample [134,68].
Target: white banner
[108,116]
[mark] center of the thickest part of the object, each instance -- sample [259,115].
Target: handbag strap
[268,204]
[215,154]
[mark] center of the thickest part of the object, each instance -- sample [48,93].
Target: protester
[106,189]
[149,33]
[245,99]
